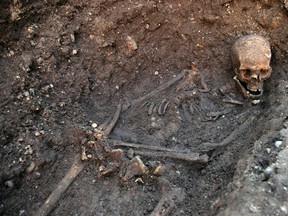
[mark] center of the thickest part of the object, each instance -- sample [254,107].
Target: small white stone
[131,44]
[269,170]
[37,133]
[74,52]
[268,150]
[26,94]
[278,143]
[156,73]
[117,87]
[94,125]
[178,172]
[284,209]
[256,102]
[72,37]
[9,184]
[29,150]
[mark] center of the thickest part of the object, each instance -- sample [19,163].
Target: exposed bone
[161,109]
[159,169]
[114,120]
[165,108]
[135,168]
[189,157]
[251,55]
[144,104]
[168,200]
[232,101]
[73,172]
[83,154]
[103,125]
[194,77]
[205,147]
[53,198]
[204,89]
[157,90]
[149,147]
[150,110]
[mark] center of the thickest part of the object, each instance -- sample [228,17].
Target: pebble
[131,44]
[37,133]
[278,143]
[29,150]
[26,94]
[94,125]
[284,132]
[269,170]
[268,150]
[284,209]
[256,102]
[130,153]
[156,73]
[9,184]
[74,52]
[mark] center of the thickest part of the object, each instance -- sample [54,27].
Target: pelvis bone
[251,55]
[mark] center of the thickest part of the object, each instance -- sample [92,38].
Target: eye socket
[265,74]
[246,73]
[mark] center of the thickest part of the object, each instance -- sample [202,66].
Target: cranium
[251,56]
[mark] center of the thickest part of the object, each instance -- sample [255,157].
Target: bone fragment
[162,107]
[232,101]
[189,157]
[114,120]
[150,110]
[56,194]
[168,202]
[142,146]
[205,147]
[135,168]
[72,173]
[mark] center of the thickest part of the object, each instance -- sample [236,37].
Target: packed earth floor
[120,107]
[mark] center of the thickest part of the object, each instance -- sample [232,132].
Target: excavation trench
[161,72]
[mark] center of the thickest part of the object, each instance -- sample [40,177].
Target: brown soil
[67,64]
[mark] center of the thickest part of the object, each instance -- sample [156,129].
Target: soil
[67,64]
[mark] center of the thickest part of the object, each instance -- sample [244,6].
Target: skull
[251,56]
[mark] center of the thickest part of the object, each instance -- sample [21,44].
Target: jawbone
[246,92]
